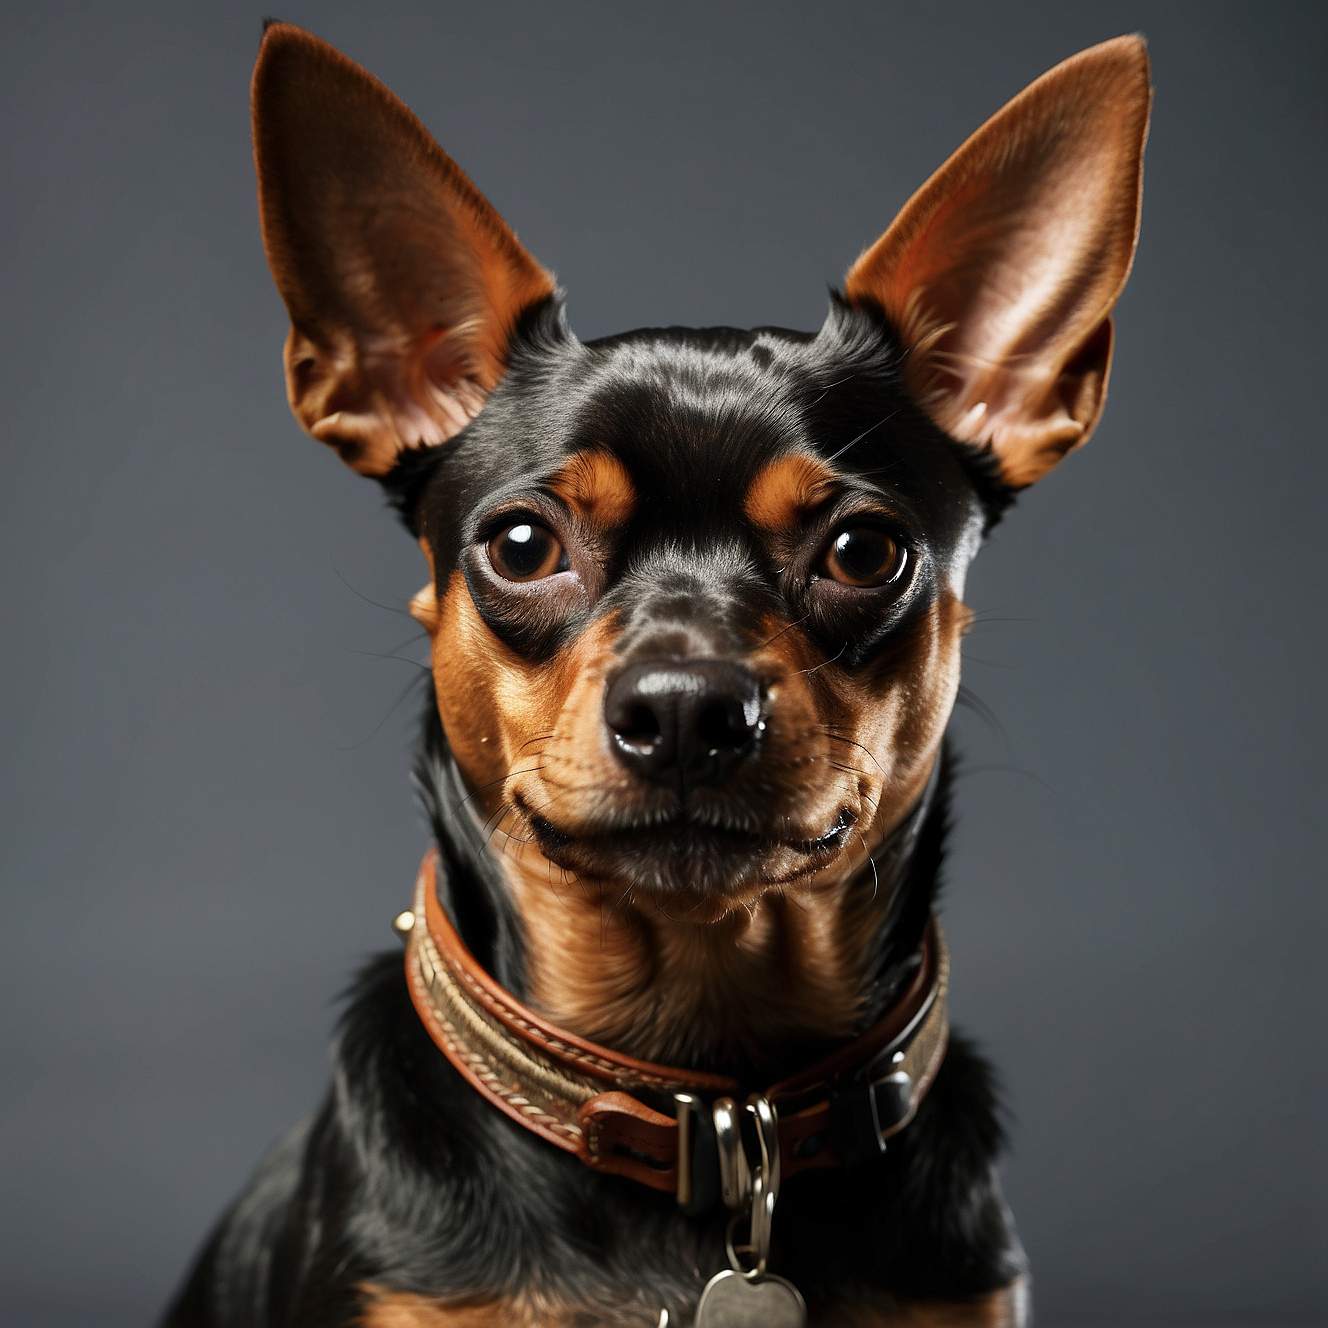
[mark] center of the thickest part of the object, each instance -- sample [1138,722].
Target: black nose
[683,722]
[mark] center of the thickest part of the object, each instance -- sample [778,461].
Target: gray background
[206,817]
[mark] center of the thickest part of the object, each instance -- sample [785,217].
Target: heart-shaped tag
[733,1301]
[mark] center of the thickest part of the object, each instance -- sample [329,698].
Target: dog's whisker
[391,710]
[966,698]
[853,442]
[839,737]
[369,599]
[788,627]
[502,779]
[829,387]
[816,668]
[871,858]
[541,737]
[493,822]
[400,659]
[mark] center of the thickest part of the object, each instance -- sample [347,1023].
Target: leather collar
[671,1129]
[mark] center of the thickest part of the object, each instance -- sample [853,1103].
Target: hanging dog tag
[731,1300]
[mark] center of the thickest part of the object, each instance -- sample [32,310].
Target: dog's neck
[751,995]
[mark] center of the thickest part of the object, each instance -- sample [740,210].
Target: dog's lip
[739,838]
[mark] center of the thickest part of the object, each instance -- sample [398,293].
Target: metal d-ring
[746,1184]
[766,1193]
[757,1246]
[735,1180]
[767,1137]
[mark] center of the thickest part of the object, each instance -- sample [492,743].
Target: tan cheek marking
[581,720]
[596,485]
[927,680]
[786,488]
[490,700]
[899,721]
[573,767]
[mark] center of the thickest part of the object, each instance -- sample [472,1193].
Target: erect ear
[402,282]
[1001,271]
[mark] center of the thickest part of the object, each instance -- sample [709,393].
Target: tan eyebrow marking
[597,486]
[785,489]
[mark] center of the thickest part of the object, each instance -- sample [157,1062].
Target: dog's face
[696,597]
[694,629]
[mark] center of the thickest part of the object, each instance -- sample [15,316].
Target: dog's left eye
[526,551]
[863,555]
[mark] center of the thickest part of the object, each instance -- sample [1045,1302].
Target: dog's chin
[688,870]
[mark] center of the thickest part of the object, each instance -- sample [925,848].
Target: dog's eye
[863,555]
[526,551]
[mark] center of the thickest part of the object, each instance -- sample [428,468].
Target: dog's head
[695,597]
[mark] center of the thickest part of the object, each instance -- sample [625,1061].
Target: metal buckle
[891,1099]
[866,1113]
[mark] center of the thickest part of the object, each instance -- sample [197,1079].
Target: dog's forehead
[695,414]
[686,428]
[730,424]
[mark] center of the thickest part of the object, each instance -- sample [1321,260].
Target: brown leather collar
[656,1123]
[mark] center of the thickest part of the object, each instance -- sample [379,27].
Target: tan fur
[785,490]
[492,702]
[597,486]
[396,1309]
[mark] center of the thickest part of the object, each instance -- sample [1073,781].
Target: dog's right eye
[863,555]
[526,551]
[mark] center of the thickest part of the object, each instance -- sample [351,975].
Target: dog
[671,1045]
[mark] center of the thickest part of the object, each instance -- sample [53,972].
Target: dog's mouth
[682,853]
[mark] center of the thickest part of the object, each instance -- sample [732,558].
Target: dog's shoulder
[237,1275]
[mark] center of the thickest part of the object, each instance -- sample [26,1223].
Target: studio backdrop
[210,689]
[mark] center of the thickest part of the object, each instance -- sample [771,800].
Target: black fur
[404,1178]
